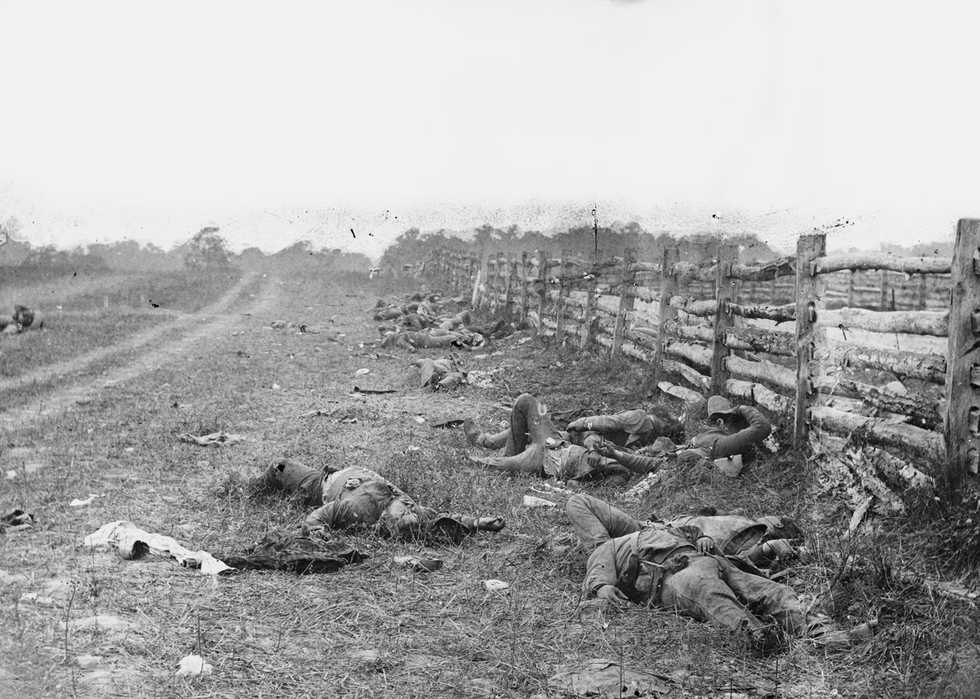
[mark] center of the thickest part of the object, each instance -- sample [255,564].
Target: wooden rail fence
[870,359]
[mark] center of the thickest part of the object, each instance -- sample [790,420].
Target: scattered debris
[532,502]
[193,666]
[599,677]
[451,422]
[215,439]
[496,585]
[133,543]
[11,474]
[276,387]
[419,419]
[419,564]
[82,503]
[374,391]
[362,372]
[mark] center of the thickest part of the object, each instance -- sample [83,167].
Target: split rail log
[668,285]
[865,261]
[935,323]
[694,307]
[921,411]
[764,371]
[962,428]
[696,354]
[689,374]
[698,333]
[724,292]
[761,395]
[685,394]
[926,444]
[541,284]
[780,314]
[761,340]
[771,271]
[912,365]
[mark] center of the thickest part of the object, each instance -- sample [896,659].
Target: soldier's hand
[705,544]
[612,595]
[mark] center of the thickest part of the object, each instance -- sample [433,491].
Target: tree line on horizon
[207,249]
[413,246]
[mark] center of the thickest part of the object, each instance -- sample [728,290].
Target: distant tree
[206,250]
[8,229]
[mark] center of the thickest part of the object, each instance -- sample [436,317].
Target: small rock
[193,666]
[362,372]
[419,419]
[495,585]
[417,563]
[11,474]
[33,466]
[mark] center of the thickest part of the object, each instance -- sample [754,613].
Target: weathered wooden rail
[876,350]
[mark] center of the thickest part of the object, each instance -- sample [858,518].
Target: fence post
[522,278]
[850,289]
[668,287]
[626,301]
[588,314]
[962,419]
[923,291]
[503,266]
[724,286]
[884,291]
[808,248]
[542,285]
[560,301]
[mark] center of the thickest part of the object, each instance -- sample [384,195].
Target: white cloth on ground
[132,542]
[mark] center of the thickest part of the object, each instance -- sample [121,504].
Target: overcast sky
[304,119]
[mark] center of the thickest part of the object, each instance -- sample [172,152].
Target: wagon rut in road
[58,401]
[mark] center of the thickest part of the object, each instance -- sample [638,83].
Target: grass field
[376,629]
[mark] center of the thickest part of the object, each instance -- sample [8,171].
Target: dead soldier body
[533,446]
[356,497]
[681,566]
[733,436]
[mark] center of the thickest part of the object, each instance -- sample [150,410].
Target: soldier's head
[722,413]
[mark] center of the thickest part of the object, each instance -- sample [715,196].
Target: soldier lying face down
[704,575]
[532,445]
[356,497]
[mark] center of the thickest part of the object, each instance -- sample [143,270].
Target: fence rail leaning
[857,355]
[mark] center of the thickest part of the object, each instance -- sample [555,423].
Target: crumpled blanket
[296,553]
[132,543]
[215,439]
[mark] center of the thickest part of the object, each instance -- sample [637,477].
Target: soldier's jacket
[615,562]
[626,428]
[732,534]
[716,443]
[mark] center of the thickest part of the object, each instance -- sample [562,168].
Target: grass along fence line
[884,384]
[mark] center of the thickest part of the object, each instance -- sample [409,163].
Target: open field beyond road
[376,629]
